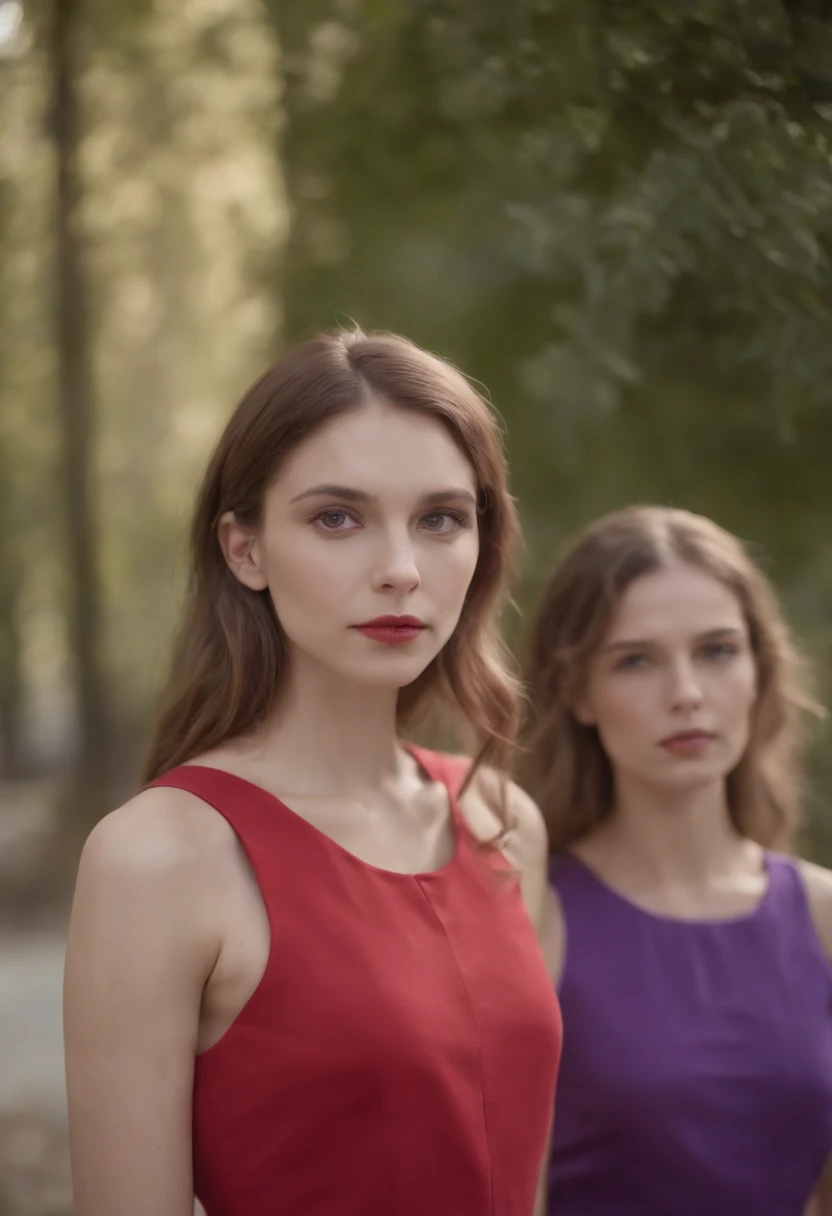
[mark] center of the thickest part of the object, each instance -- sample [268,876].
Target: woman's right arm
[143,939]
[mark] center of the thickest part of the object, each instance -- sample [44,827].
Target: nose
[685,687]
[396,568]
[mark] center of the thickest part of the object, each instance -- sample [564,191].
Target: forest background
[617,216]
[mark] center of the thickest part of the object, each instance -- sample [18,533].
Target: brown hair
[568,770]
[230,656]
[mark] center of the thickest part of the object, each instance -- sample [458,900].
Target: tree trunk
[11,674]
[11,670]
[77,430]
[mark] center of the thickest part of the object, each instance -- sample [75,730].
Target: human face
[672,687]
[374,515]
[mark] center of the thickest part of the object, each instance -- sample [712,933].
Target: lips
[687,742]
[393,630]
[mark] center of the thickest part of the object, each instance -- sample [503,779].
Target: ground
[34,1163]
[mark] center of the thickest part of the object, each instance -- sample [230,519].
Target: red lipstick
[393,630]
[687,742]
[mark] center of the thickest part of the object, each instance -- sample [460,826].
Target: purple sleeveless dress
[696,1076]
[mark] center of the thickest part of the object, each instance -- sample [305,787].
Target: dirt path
[34,1161]
[31,1039]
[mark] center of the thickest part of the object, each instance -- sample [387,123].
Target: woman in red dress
[303,977]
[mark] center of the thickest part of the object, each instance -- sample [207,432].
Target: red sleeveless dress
[399,1055]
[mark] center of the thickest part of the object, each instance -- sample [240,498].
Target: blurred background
[616,216]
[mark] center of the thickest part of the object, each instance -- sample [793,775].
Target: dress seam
[447,936]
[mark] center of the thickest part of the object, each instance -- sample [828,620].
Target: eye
[444,522]
[334,519]
[633,662]
[719,652]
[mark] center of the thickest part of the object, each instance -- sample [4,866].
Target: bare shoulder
[154,865]
[528,842]
[159,830]
[818,883]
[528,820]
[526,835]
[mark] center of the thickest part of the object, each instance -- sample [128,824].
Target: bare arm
[139,952]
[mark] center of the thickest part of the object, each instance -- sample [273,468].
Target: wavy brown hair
[567,769]
[229,660]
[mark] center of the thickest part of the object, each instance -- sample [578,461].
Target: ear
[242,551]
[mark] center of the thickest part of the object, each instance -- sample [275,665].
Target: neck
[674,837]
[328,736]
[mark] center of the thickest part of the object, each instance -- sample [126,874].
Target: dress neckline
[431,764]
[681,921]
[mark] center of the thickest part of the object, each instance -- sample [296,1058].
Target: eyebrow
[351,495]
[709,635]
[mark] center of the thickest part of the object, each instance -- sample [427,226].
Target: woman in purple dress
[693,959]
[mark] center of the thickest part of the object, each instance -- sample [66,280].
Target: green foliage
[600,210]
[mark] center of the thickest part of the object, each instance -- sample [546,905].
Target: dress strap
[448,770]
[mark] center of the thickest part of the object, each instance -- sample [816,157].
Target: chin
[388,670]
[695,776]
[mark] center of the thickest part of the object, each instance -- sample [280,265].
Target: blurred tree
[11,674]
[11,680]
[184,214]
[22,360]
[76,412]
